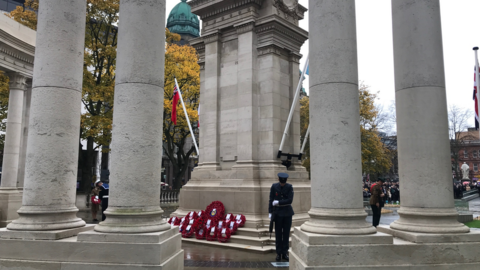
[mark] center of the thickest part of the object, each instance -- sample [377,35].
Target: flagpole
[292,110]
[186,117]
[305,140]
[477,83]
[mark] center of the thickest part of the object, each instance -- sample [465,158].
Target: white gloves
[275,203]
[269,216]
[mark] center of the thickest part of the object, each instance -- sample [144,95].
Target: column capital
[212,37]
[17,81]
[245,27]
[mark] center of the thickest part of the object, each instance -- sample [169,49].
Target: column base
[428,220]
[473,236]
[10,202]
[338,222]
[378,251]
[97,251]
[120,220]
[39,218]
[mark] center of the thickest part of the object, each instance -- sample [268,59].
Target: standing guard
[280,211]
[103,196]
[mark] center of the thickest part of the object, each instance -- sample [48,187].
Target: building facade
[466,149]
[183,22]
[9,5]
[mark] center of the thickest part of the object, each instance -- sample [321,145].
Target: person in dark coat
[103,195]
[376,202]
[281,211]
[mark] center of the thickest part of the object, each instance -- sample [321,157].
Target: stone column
[13,136]
[134,205]
[52,148]
[10,198]
[23,147]
[247,96]
[334,121]
[422,121]
[209,102]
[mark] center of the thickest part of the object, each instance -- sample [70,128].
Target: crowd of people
[390,189]
[459,188]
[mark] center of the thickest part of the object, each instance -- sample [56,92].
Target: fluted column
[52,148]
[134,205]
[11,151]
[422,120]
[337,208]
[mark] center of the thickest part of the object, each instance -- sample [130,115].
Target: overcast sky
[375,47]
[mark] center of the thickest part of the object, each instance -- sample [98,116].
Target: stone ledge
[472,236]
[156,237]
[43,235]
[324,239]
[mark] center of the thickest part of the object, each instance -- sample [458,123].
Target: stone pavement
[204,257]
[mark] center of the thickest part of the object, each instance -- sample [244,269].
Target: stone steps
[257,240]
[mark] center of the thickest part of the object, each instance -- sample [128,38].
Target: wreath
[188,231]
[192,215]
[223,235]
[240,220]
[96,200]
[221,224]
[182,227]
[174,221]
[201,215]
[198,222]
[209,224]
[183,221]
[233,226]
[200,232]
[211,234]
[229,217]
[215,211]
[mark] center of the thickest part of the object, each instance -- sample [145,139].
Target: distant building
[467,147]
[183,22]
[9,5]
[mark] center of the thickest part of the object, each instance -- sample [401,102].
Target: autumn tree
[180,62]
[304,123]
[26,14]
[376,158]
[4,94]
[98,76]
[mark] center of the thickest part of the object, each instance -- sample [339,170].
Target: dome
[182,21]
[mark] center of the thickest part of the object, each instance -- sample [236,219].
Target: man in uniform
[280,211]
[103,194]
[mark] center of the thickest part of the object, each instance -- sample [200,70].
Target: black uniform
[103,195]
[282,214]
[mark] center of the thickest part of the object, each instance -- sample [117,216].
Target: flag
[475,97]
[308,71]
[176,97]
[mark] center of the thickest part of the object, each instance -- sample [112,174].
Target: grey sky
[375,48]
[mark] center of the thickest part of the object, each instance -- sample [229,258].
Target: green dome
[182,21]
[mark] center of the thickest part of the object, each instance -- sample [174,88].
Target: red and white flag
[176,98]
[475,96]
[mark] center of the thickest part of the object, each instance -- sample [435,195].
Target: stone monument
[249,58]
[465,171]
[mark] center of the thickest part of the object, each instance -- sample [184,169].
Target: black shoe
[96,220]
[285,257]
[278,258]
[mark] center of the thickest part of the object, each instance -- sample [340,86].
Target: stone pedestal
[52,155]
[249,59]
[134,205]
[92,250]
[422,121]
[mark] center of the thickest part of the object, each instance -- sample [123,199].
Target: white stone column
[134,201]
[52,148]
[23,146]
[11,151]
[422,121]
[337,205]
[10,198]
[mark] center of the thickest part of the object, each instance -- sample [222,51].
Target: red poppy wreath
[189,230]
[223,235]
[212,234]
[240,219]
[233,226]
[200,232]
[215,211]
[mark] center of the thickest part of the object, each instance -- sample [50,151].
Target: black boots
[278,258]
[285,257]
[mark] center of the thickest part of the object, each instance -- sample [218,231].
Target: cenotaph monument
[465,171]
[249,57]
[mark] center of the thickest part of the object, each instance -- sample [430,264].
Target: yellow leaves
[27,15]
